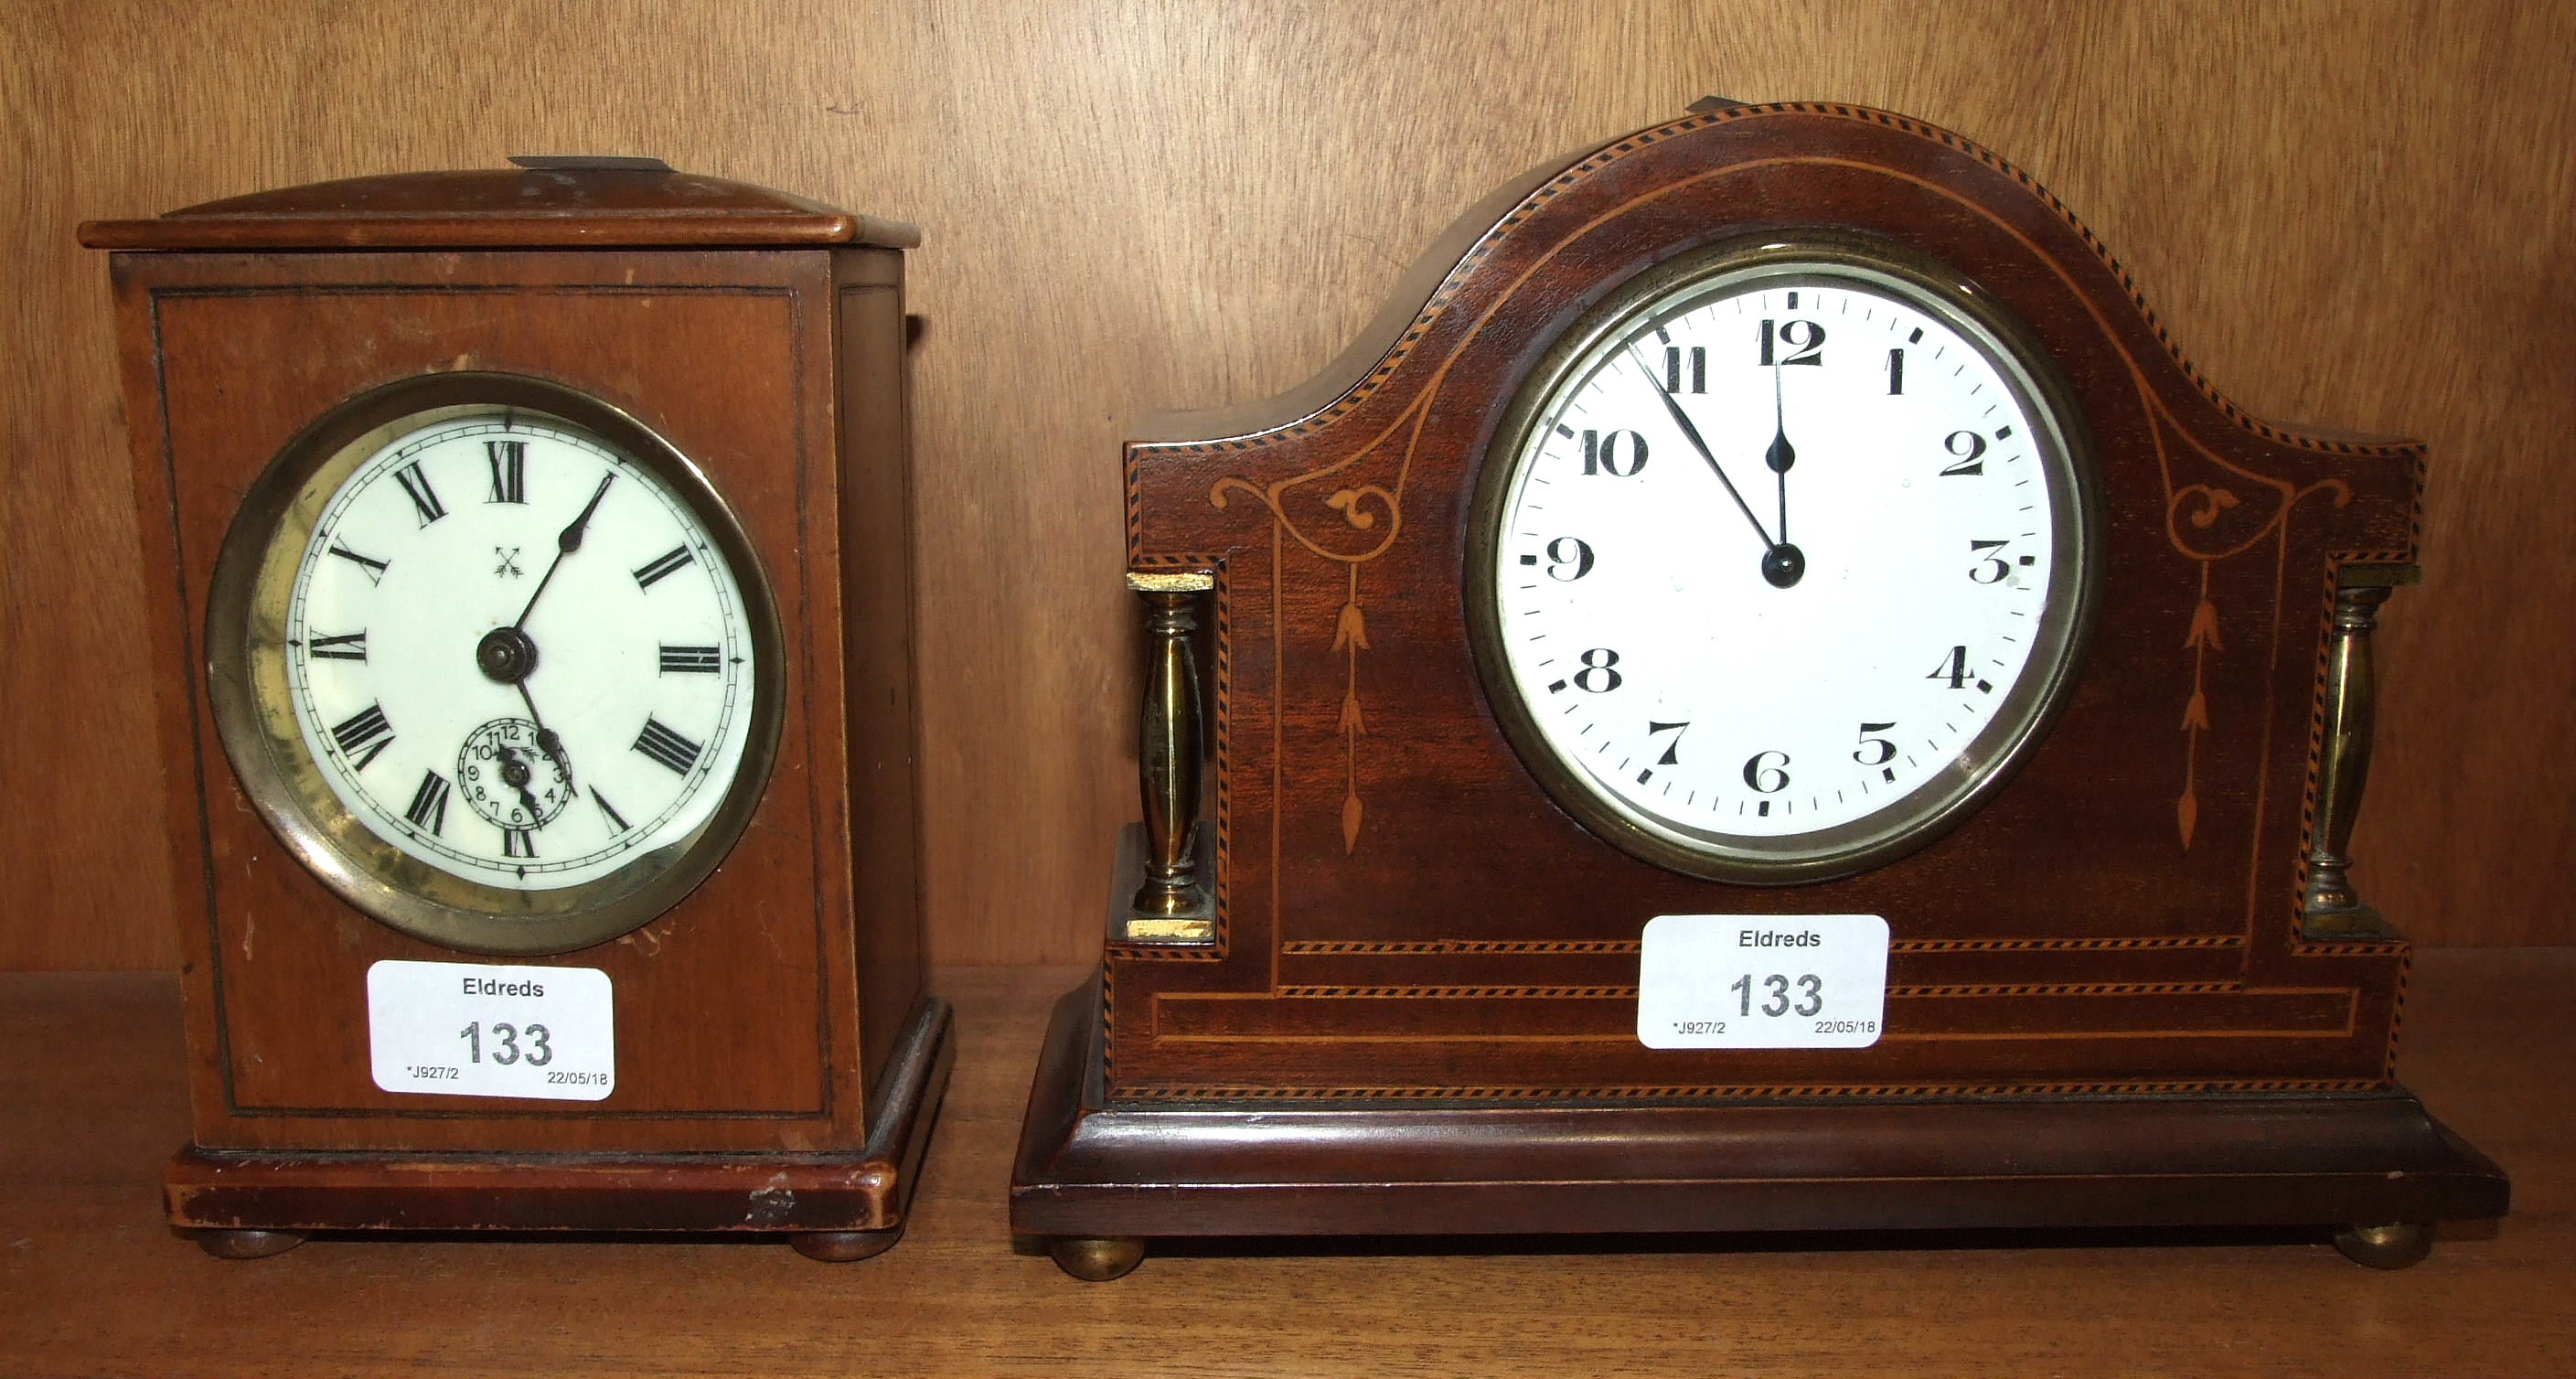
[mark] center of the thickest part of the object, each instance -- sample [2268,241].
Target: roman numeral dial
[661,743]
[1786,558]
[518,652]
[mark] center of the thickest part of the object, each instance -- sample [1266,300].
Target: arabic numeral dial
[1784,561]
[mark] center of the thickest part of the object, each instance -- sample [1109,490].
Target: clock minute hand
[1691,434]
[566,543]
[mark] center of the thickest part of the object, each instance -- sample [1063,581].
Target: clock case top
[764,337]
[1403,914]
[543,203]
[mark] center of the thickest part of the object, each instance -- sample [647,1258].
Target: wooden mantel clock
[529,572]
[1767,695]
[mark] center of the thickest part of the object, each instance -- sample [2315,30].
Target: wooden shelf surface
[92,1282]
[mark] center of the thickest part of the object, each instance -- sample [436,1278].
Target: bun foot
[2386,1247]
[843,1247]
[248,1244]
[1096,1259]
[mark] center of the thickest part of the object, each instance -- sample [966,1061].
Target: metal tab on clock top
[468,1029]
[1762,982]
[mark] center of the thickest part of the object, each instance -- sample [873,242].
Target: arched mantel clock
[1767,695]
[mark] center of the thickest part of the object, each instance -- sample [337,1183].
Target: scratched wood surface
[91,1283]
[2355,216]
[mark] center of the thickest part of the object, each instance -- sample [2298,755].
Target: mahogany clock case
[1417,1009]
[771,1026]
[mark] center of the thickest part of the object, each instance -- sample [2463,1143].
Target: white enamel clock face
[1786,565]
[495,662]
[515,654]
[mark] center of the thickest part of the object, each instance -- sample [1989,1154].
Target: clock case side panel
[714,1053]
[171,590]
[880,690]
[1379,954]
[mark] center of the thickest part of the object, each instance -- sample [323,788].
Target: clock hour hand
[1783,564]
[1782,454]
[508,656]
[548,740]
[567,542]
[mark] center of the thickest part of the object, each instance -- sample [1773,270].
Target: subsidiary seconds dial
[1782,560]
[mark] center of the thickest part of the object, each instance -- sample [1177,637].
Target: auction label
[459,1029]
[1762,982]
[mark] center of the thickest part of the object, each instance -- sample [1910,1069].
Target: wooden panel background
[2353,213]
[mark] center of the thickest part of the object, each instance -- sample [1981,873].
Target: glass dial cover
[497,661]
[1782,558]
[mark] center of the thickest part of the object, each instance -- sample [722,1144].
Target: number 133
[1811,991]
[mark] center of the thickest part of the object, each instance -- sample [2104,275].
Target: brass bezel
[246,617]
[1829,257]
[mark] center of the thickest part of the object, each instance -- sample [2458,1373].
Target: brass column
[2331,908]
[1173,905]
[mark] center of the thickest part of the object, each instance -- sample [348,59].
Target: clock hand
[1782,564]
[566,543]
[548,740]
[1782,454]
[515,656]
[1691,434]
[515,774]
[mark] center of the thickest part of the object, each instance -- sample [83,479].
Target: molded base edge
[1091,1169]
[779,1193]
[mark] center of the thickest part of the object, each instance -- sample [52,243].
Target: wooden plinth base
[1098,1178]
[244,1205]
